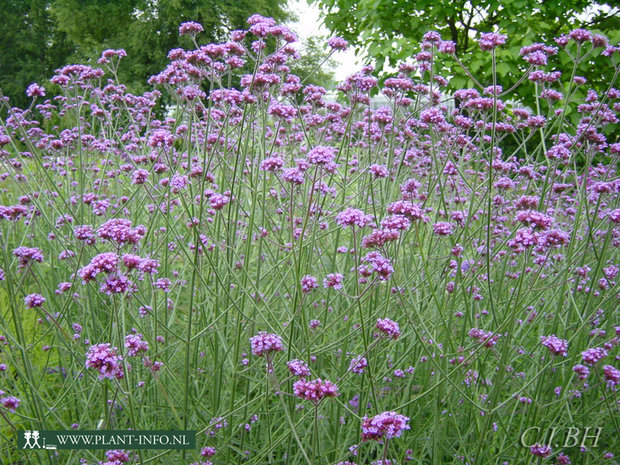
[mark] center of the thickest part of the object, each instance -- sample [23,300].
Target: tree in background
[148,29]
[31,46]
[313,66]
[390,30]
[39,36]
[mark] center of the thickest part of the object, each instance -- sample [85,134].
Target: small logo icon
[34,436]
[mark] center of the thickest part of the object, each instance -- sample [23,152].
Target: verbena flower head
[409,209]
[593,355]
[358,364]
[119,230]
[102,263]
[27,255]
[555,345]
[308,284]
[491,40]
[388,327]
[321,155]
[582,371]
[386,425]
[612,375]
[353,217]
[333,280]
[135,344]
[298,368]
[107,54]
[443,228]
[337,43]
[35,90]
[34,300]
[10,402]
[265,343]
[374,262]
[117,456]
[487,338]
[315,390]
[117,284]
[105,359]
[190,28]
[540,450]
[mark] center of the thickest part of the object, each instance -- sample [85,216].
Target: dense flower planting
[162,269]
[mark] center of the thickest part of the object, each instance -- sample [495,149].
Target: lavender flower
[264,344]
[308,284]
[333,280]
[105,359]
[593,355]
[386,425]
[298,368]
[10,402]
[338,43]
[358,364]
[34,300]
[389,328]
[353,217]
[190,28]
[555,345]
[315,390]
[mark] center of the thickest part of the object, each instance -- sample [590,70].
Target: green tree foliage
[390,30]
[39,36]
[31,47]
[314,66]
[148,29]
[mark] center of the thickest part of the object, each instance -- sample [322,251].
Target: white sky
[311,24]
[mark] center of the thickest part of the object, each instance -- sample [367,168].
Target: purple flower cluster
[190,28]
[315,390]
[308,284]
[540,450]
[582,371]
[103,263]
[593,355]
[487,338]
[135,344]
[337,43]
[333,280]
[555,345]
[105,359]
[264,344]
[386,425]
[491,40]
[34,300]
[10,403]
[298,368]
[612,375]
[353,217]
[358,364]
[389,328]
[27,255]
[120,231]
[322,155]
[374,262]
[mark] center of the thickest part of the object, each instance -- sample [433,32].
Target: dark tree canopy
[39,36]
[390,30]
[31,46]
